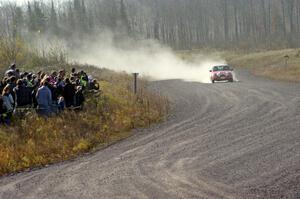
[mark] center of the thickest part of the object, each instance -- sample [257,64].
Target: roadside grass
[18,51]
[266,63]
[270,64]
[108,117]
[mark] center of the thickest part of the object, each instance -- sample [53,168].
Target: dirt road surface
[227,140]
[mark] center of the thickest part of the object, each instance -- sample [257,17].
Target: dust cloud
[146,57]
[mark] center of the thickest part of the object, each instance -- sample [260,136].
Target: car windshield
[221,68]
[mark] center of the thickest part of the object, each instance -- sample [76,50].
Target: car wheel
[213,81]
[231,80]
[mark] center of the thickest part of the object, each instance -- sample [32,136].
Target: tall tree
[124,18]
[39,17]
[226,24]
[31,23]
[53,23]
[177,23]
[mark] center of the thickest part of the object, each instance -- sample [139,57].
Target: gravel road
[224,140]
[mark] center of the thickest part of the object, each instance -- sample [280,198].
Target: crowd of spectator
[46,93]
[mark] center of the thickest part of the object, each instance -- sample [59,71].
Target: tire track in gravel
[223,140]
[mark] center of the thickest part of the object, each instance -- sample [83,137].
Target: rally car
[221,73]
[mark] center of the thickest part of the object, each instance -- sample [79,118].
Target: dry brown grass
[270,64]
[108,117]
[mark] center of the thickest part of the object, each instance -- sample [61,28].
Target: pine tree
[53,23]
[83,18]
[31,23]
[39,18]
[18,21]
[71,20]
[124,18]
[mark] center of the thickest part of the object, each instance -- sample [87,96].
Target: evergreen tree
[31,23]
[39,18]
[91,22]
[18,21]
[53,23]
[178,23]
[84,18]
[124,18]
[71,25]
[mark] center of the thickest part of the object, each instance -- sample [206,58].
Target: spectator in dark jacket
[62,74]
[3,112]
[60,84]
[12,83]
[3,84]
[69,93]
[23,94]
[61,103]
[17,73]
[33,96]
[73,72]
[94,85]
[79,97]
[11,70]
[8,102]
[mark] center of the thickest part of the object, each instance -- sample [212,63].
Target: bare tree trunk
[283,17]
[226,25]
[263,4]
[236,23]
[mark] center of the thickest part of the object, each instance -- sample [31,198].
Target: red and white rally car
[221,73]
